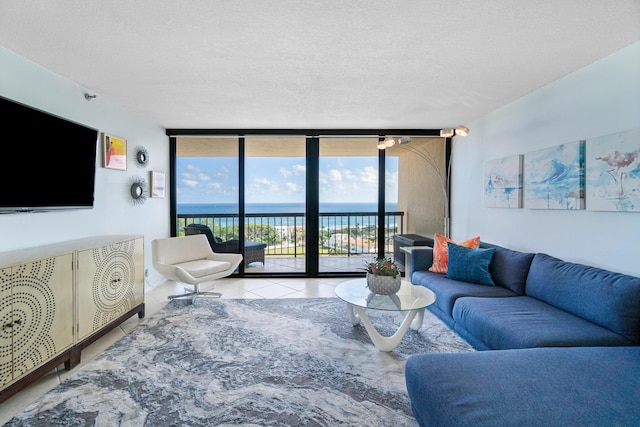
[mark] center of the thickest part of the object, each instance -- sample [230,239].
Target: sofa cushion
[448,291]
[509,268]
[469,264]
[582,386]
[609,299]
[441,251]
[523,322]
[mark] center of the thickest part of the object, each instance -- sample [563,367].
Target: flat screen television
[48,163]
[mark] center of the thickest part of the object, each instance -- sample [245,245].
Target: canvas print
[613,172]
[503,182]
[554,177]
[114,152]
[157,184]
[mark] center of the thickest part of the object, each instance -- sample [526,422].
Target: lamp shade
[389,142]
[462,131]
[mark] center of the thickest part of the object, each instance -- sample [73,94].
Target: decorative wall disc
[142,156]
[138,190]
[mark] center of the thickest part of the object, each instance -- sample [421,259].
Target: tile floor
[155,299]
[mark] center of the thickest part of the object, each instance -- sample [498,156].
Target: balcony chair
[253,251]
[190,260]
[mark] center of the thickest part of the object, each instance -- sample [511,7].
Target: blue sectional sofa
[565,341]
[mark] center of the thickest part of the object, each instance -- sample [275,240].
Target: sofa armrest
[420,259]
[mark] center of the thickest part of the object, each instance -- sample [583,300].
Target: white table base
[381,342]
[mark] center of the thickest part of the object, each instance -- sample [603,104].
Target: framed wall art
[554,177]
[114,152]
[157,184]
[613,172]
[503,182]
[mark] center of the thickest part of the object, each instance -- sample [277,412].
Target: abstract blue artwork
[613,172]
[554,177]
[503,182]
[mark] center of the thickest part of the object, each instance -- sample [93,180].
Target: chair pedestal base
[195,294]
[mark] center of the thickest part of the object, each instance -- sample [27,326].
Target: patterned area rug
[280,362]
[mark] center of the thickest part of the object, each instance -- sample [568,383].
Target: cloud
[293,187]
[224,173]
[391,178]
[369,175]
[264,183]
[190,183]
[297,170]
[285,172]
[334,175]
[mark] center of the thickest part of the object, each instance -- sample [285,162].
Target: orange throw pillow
[441,251]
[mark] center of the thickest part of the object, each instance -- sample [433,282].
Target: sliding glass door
[275,196]
[293,205]
[349,179]
[208,188]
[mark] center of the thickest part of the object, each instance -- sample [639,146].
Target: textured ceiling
[324,64]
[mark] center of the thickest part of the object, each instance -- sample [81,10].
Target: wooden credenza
[57,299]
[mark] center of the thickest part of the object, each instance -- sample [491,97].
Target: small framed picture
[114,152]
[157,184]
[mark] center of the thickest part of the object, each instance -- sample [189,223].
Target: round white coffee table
[410,299]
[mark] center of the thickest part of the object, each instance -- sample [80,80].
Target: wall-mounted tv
[48,163]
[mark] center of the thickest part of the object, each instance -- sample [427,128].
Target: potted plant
[383,276]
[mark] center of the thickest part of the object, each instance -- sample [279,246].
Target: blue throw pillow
[470,265]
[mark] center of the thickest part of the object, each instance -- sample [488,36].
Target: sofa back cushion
[608,299]
[509,268]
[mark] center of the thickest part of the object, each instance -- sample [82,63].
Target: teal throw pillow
[469,264]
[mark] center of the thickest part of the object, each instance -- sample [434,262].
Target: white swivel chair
[190,260]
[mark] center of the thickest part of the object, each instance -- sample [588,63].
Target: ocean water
[271,208]
[296,210]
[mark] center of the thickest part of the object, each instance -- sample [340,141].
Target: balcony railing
[340,233]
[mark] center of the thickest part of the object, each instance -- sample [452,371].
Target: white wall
[600,99]
[31,84]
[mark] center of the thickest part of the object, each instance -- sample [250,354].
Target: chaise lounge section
[565,341]
[552,386]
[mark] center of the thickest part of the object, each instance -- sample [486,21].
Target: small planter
[383,285]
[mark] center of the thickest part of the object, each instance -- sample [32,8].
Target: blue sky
[282,179]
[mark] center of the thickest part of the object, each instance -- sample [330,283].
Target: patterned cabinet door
[110,282]
[6,331]
[42,325]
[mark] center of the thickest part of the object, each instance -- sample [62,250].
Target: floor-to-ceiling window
[349,178]
[319,205]
[275,196]
[208,187]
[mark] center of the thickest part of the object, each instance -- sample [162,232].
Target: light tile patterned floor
[155,299]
